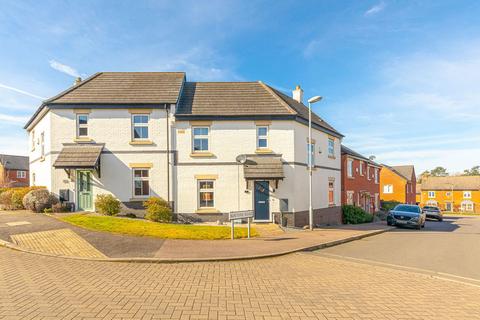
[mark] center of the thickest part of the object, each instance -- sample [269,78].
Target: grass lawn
[134,227]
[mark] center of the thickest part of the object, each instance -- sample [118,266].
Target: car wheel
[418,227]
[440,219]
[423,225]
[389,223]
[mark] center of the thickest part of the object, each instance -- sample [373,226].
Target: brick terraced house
[13,171]
[398,183]
[360,181]
[206,147]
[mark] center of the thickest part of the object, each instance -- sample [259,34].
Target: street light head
[314,99]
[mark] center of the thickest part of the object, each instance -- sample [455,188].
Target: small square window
[82,125]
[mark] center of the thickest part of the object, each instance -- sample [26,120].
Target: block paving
[295,286]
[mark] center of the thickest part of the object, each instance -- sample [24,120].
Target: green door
[84,191]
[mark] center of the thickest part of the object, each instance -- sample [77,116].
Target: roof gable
[14,162]
[406,172]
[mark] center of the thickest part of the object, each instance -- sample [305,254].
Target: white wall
[41,167]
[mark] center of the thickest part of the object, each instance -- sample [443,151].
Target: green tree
[475,171]
[439,172]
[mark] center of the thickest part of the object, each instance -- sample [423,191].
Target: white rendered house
[207,147]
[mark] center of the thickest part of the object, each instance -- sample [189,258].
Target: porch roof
[79,156]
[269,167]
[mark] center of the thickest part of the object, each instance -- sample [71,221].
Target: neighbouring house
[452,193]
[418,193]
[360,181]
[13,171]
[398,183]
[206,147]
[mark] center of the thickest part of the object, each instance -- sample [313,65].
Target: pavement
[43,234]
[446,248]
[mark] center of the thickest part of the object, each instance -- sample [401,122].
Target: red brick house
[360,181]
[13,171]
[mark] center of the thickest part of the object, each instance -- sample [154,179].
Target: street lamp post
[310,150]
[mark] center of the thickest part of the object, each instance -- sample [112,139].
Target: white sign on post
[237,215]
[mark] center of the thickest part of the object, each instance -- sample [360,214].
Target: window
[82,125]
[448,194]
[375,172]
[200,139]
[206,194]
[360,168]
[377,206]
[388,188]
[467,206]
[350,168]
[350,197]
[141,185]
[467,194]
[331,193]
[33,179]
[431,194]
[331,147]
[368,172]
[311,155]
[42,144]
[262,137]
[140,126]
[21,174]
[33,140]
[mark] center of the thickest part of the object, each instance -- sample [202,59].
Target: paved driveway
[451,246]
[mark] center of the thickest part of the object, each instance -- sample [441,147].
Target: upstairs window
[42,144]
[360,168]
[388,188]
[262,137]
[431,194]
[140,126]
[200,139]
[206,194]
[350,168]
[331,147]
[21,174]
[33,140]
[82,125]
[467,194]
[375,172]
[141,183]
[368,172]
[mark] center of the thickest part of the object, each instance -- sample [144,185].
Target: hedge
[355,215]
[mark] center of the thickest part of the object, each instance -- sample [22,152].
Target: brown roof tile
[455,182]
[79,156]
[263,167]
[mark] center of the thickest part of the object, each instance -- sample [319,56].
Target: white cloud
[64,68]
[10,118]
[375,9]
[4,86]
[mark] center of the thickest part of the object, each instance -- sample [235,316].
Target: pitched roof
[405,172]
[242,99]
[124,88]
[346,150]
[263,167]
[14,162]
[449,182]
[79,156]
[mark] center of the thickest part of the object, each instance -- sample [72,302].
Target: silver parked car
[406,215]
[433,212]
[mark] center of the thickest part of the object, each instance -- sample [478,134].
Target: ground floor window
[141,183]
[331,193]
[21,174]
[206,194]
[377,205]
[350,197]
[467,206]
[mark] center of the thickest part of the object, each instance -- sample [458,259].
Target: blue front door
[261,198]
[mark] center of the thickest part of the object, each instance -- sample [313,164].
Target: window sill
[207,211]
[42,159]
[332,157]
[201,155]
[141,142]
[82,140]
[351,178]
[263,151]
[137,199]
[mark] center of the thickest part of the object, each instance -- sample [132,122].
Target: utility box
[64,195]
[283,205]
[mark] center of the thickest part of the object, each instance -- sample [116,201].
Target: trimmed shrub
[388,205]
[355,215]
[6,199]
[12,198]
[38,200]
[107,204]
[158,210]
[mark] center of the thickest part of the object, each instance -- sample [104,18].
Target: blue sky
[400,78]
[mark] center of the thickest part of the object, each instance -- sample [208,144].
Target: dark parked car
[433,212]
[406,215]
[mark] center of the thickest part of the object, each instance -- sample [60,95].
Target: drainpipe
[168,155]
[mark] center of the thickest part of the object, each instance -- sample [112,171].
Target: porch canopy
[263,167]
[79,156]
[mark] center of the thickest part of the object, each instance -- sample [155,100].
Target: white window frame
[467,194]
[82,126]
[143,125]
[331,147]
[262,137]
[350,197]
[332,189]
[140,179]
[388,189]
[431,194]
[33,178]
[199,191]
[200,136]
[33,140]
[375,172]
[368,172]
[350,168]
[21,174]
[42,145]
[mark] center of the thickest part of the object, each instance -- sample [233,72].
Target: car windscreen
[405,208]
[431,208]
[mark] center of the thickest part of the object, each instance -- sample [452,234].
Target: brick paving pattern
[296,286]
[63,242]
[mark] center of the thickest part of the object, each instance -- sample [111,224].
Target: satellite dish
[241,158]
